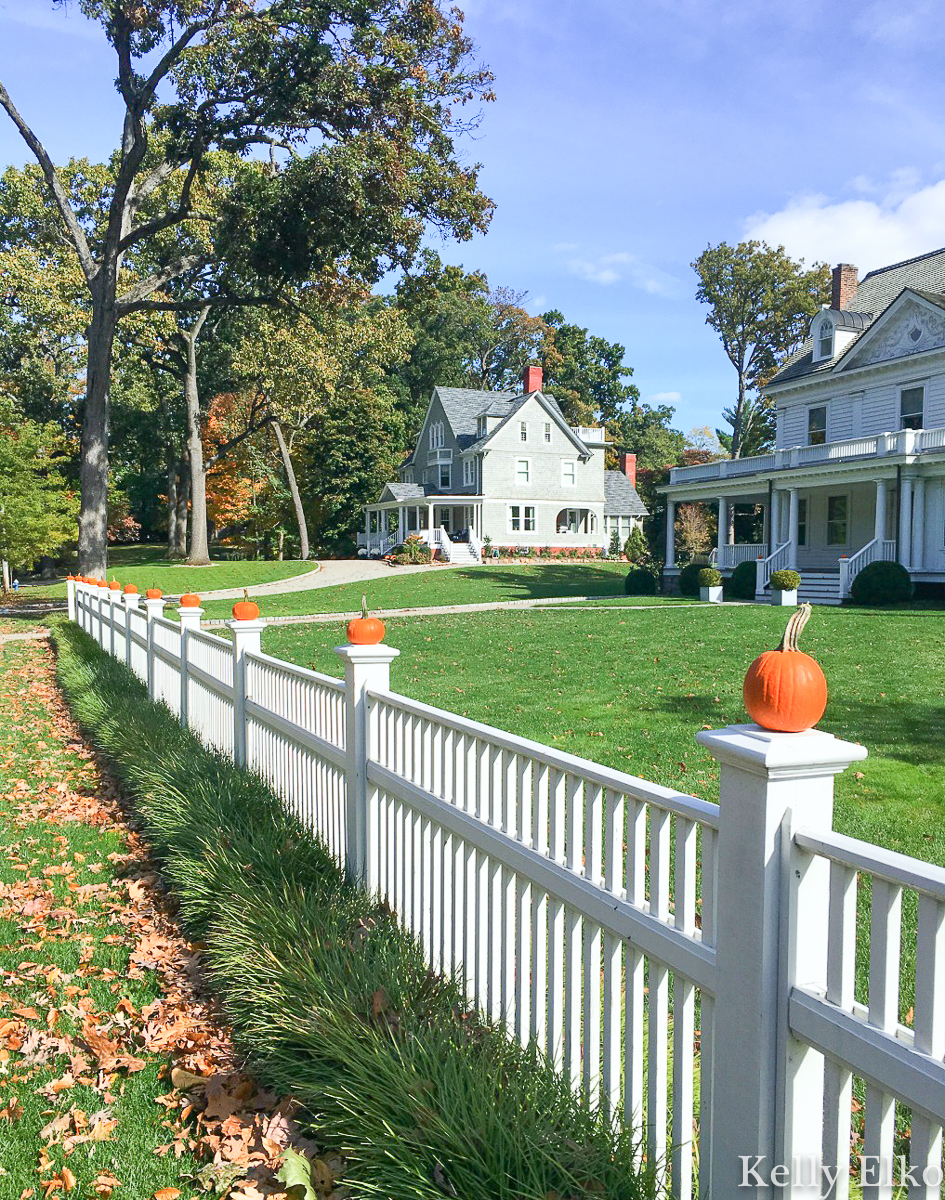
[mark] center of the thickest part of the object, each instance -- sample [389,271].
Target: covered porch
[437,520]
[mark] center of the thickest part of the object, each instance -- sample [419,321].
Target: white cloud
[664,398]
[607,269]
[901,222]
[536,303]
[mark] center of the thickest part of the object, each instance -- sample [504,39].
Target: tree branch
[183,306]
[142,290]
[76,234]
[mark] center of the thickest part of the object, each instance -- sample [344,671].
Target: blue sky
[628,135]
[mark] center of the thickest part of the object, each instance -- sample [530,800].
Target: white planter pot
[784,599]
[711,593]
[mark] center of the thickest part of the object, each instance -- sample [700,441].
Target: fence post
[70,596]
[366,668]
[102,594]
[113,595]
[154,607]
[771,931]
[190,615]
[131,598]
[246,640]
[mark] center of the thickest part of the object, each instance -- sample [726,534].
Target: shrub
[689,579]
[635,547]
[785,581]
[640,581]
[331,1000]
[741,583]
[710,577]
[614,548]
[882,583]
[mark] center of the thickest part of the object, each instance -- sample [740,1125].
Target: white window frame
[519,481]
[447,467]
[547,433]
[528,518]
[468,471]
[826,327]
[565,481]
[812,408]
[482,426]
[515,518]
[913,387]
[836,496]
[523,431]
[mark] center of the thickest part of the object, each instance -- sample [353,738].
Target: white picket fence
[689,966]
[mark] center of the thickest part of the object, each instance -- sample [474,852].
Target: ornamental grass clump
[331,1001]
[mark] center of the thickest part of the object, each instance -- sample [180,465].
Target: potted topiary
[710,584]
[784,585]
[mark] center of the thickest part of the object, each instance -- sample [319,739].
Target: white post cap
[780,755]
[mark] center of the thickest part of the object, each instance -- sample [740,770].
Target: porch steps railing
[734,553]
[874,551]
[475,544]
[777,560]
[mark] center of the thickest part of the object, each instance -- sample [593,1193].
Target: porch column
[367,525]
[879,520]
[918,525]
[723,528]
[670,533]
[774,524]
[793,513]
[905,523]
[429,520]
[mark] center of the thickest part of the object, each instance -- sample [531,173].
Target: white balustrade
[475,544]
[778,560]
[670,956]
[874,551]
[733,553]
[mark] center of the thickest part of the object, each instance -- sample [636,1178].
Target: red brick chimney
[628,465]
[531,380]
[843,290]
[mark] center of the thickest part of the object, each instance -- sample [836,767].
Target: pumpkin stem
[364,612]
[245,593]
[797,622]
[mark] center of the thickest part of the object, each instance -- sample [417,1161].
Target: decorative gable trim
[890,337]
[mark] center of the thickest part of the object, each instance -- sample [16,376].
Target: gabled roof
[403,491]
[464,406]
[621,497]
[877,291]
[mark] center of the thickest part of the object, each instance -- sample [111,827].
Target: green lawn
[441,585]
[146,566]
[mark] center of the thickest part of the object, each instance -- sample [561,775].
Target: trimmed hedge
[329,999]
[881,582]
[640,581]
[785,581]
[689,579]
[710,577]
[740,585]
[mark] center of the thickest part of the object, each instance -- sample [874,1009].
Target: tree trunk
[739,417]
[6,575]
[183,501]
[172,469]
[293,489]
[93,473]
[199,552]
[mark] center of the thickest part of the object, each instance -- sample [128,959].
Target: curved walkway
[328,573]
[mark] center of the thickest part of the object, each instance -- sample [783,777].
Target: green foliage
[881,582]
[636,548]
[760,304]
[709,577]
[641,581]
[585,373]
[332,1000]
[740,585]
[413,551]
[613,548]
[689,579]
[785,581]
[37,510]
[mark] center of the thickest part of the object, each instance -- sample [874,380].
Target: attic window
[481,427]
[825,340]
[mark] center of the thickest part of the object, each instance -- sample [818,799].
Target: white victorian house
[505,466]
[858,470]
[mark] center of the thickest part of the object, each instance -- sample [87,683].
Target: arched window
[825,339]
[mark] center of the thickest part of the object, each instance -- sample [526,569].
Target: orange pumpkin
[365,630]
[130,589]
[245,609]
[114,586]
[190,600]
[785,689]
[153,594]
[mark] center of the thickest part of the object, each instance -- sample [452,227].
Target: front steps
[462,554]
[819,587]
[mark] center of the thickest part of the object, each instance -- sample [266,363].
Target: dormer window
[825,340]
[481,426]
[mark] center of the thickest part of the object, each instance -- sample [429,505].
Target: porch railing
[730,555]
[690,968]
[874,551]
[377,543]
[777,560]
[475,544]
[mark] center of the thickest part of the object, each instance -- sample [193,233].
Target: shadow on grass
[552,580]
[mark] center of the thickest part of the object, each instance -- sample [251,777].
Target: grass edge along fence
[599,915]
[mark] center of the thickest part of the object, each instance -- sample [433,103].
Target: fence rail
[690,968]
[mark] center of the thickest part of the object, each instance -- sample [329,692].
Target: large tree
[356,101]
[760,304]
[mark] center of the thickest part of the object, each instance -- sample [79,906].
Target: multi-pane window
[529,519]
[446,473]
[911,404]
[437,435]
[569,473]
[523,472]
[817,425]
[469,472]
[547,433]
[826,340]
[837,511]
[482,426]
[523,431]
[515,517]
[802,522]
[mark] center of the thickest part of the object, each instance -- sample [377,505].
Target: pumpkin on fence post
[130,589]
[245,609]
[785,690]
[114,586]
[153,594]
[190,600]
[365,630]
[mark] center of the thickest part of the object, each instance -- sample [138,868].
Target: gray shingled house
[505,466]
[858,470]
